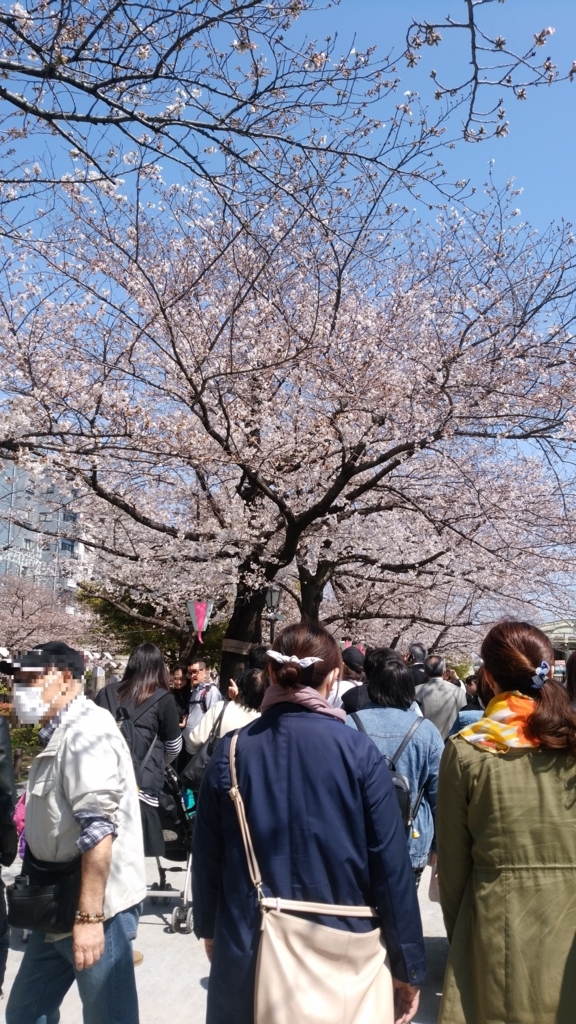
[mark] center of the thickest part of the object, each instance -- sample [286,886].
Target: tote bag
[307,973]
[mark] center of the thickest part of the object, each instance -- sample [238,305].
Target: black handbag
[45,896]
[191,775]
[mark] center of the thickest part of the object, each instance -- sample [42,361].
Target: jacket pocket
[42,775]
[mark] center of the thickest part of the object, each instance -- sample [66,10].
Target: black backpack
[400,782]
[126,723]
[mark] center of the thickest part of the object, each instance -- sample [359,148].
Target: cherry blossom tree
[230,400]
[31,613]
[500,543]
[235,94]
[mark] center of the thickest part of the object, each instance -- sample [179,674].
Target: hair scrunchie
[285,659]
[540,676]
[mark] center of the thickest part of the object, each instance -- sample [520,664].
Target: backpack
[203,690]
[400,782]
[126,724]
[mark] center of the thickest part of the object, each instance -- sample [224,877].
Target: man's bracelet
[82,917]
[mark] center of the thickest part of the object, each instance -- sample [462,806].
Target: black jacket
[7,783]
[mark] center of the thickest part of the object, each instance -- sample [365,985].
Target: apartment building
[40,532]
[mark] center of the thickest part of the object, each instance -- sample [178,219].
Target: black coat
[7,783]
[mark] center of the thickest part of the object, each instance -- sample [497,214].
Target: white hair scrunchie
[285,659]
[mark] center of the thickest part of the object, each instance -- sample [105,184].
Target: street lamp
[272,604]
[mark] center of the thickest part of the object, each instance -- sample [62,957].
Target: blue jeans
[107,990]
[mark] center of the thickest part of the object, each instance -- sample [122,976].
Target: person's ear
[491,683]
[232,690]
[329,680]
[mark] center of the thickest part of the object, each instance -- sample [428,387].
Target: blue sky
[540,151]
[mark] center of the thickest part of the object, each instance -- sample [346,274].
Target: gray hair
[435,666]
[417,652]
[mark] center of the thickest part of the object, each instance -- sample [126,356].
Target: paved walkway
[173,979]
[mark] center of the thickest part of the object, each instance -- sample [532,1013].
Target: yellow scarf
[503,725]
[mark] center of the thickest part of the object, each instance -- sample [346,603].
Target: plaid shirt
[94,827]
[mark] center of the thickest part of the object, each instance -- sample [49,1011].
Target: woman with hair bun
[506,836]
[325,828]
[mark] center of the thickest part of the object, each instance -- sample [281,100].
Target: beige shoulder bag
[307,973]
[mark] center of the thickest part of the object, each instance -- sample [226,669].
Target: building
[562,634]
[40,533]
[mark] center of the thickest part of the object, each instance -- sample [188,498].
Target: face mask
[28,704]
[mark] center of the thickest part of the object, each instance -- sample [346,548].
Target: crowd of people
[339,777]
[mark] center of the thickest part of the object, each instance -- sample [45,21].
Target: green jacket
[506,836]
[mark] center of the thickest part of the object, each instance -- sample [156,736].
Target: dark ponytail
[512,652]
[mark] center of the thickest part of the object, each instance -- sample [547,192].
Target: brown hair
[571,675]
[305,640]
[483,690]
[512,651]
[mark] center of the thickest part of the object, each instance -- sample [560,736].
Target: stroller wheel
[175,919]
[168,899]
[189,921]
[154,899]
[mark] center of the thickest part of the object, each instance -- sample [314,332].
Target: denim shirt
[419,762]
[466,717]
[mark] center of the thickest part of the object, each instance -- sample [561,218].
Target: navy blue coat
[326,828]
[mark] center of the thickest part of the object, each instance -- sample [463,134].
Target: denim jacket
[419,762]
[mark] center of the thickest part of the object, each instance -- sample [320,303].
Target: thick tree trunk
[245,628]
[312,589]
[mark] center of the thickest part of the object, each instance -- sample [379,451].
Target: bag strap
[236,796]
[416,725]
[156,696]
[331,909]
[202,692]
[142,766]
[414,810]
[217,723]
[270,902]
[356,718]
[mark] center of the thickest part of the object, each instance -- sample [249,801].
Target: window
[50,489]
[67,545]
[69,517]
[45,517]
[27,543]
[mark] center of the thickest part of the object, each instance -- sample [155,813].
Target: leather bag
[308,973]
[191,775]
[45,896]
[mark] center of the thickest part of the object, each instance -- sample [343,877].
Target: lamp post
[272,604]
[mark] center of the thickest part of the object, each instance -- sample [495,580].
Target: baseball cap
[54,653]
[353,658]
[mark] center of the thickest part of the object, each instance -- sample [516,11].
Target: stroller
[177,825]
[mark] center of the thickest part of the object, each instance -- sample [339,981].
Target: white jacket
[235,717]
[87,766]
